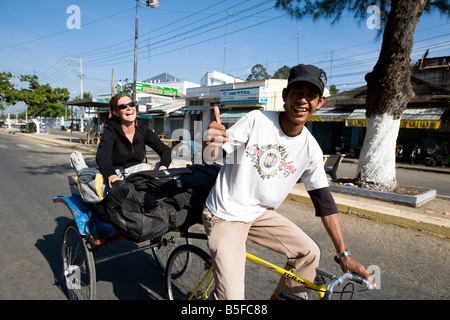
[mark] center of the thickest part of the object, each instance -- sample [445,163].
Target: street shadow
[56,168]
[50,247]
[48,170]
[132,277]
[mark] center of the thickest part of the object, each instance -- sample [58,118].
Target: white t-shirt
[263,166]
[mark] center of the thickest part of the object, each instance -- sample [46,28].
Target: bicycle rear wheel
[189,274]
[78,265]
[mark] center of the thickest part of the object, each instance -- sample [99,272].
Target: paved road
[414,265]
[417,178]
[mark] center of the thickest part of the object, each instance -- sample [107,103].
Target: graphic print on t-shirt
[270,159]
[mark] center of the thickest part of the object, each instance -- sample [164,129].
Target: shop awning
[91,103]
[418,118]
[423,118]
[329,115]
[150,116]
[356,119]
[186,111]
[161,111]
[232,116]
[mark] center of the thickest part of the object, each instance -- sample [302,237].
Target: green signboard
[146,88]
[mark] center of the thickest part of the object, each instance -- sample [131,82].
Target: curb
[384,214]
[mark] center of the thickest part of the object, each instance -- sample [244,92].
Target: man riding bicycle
[268,152]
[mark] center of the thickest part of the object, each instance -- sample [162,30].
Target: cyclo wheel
[78,265]
[187,274]
[165,247]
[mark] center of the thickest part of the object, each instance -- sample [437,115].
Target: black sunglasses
[126,105]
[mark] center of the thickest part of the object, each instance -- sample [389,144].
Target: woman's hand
[112,178]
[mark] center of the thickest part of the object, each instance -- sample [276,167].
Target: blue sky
[187,38]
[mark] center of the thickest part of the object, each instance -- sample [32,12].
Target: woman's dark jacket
[115,151]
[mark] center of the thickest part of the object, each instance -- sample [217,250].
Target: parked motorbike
[415,155]
[30,127]
[398,152]
[437,156]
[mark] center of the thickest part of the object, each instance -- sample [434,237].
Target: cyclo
[89,230]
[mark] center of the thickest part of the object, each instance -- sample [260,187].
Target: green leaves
[41,100]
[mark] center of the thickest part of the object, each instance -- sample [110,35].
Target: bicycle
[189,276]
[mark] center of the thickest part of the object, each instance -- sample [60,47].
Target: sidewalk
[430,217]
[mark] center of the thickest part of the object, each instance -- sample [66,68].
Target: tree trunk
[388,93]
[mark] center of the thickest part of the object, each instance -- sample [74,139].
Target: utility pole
[81,93]
[135,50]
[298,43]
[151,4]
[331,53]
[225,41]
[81,97]
[112,83]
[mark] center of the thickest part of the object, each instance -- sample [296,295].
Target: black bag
[150,203]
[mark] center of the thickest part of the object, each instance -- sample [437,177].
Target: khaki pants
[226,241]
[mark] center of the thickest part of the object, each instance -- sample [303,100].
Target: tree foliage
[282,73]
[388,85]
[42,100]
[7,91]
[333,9]
[258,72]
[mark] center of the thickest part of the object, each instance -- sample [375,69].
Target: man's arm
[348,264]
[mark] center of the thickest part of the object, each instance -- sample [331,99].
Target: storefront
[412,118]
[236,103]
[165,118]
[423,127]
[328,127]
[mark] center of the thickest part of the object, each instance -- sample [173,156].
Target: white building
[233,99]
[213,78]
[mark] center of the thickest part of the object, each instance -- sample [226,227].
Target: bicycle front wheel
[165,247]
[189,274]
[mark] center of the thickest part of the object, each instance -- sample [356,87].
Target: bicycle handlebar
[335,280]
[288,296]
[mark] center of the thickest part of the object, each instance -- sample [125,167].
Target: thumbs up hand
[216,135]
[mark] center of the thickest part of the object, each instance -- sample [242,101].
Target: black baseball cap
[308,73]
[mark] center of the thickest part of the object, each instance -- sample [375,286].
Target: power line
[128,52]
[59,32]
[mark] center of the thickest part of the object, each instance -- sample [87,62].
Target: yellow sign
[408,124]
[327,118]
[355,123]
[420,124]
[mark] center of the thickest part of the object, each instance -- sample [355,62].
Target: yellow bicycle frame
[205,293]
[305,283]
